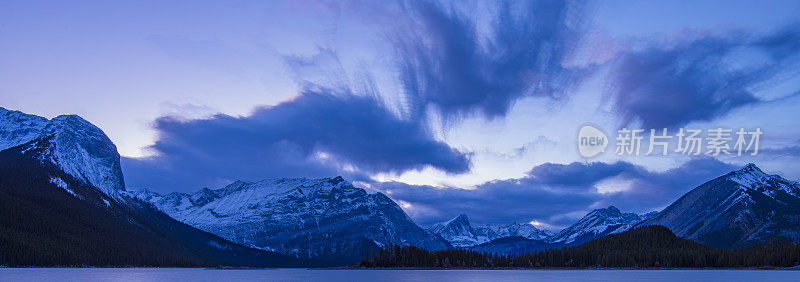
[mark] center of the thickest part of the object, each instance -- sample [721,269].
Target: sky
[463,107]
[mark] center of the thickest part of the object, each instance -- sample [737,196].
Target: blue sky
[448,107]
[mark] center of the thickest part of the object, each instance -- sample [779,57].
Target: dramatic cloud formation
[317,134]
[704,78]
[452,61]
[556,194]
[448,61]
[443,60]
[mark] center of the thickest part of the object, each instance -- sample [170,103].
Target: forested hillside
[643,247]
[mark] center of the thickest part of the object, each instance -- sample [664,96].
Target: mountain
[654,247]
[461,234]
[595,224]
[521,229]
[516,245]
[736,209]
[73,144]
[62,203]
[310,218]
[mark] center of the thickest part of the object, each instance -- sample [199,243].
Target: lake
[199,274]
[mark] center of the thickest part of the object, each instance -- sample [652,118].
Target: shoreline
[399,268]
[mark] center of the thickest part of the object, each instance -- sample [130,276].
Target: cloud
[555,193]
[448,59]
[317,134]
[580,174]
[443,60]
[702,79]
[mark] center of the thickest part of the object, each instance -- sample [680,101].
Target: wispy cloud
[703,78]
[448,60]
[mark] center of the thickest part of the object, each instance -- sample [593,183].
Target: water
[199,274]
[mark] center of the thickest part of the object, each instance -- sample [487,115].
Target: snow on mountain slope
[595,224]
[522,229]
[17,128]
[736,209]
[75,145]
[51,218]
[326,217]
[460,233]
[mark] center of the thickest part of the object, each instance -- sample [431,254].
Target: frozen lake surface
[199,274]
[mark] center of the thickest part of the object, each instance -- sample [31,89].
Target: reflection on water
[199,274]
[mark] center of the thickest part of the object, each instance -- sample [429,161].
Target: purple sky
[448,108]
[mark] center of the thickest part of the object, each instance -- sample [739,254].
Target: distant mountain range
[64,202]
[307,218]
[734,210]
[460,233]
[519,237]
[648,247]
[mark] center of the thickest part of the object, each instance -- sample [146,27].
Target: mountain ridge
[462,234]
[51,218]
[736,209]
[309,218]
[595,224]
[77,146]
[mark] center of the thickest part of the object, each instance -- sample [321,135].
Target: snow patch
[63,185]
[217,245]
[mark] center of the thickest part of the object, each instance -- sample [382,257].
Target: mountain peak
[750,176]
[747,205]
[235,185]
[70,142]
[460,219]
[597,223]
[751,168]
[610,211]
[457,231]
[203,197]
[144,194]
[73,118]
[336,180]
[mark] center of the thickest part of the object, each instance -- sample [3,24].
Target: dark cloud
[580,174]
[700,80]
[552,191]
[314,135]
[446,61]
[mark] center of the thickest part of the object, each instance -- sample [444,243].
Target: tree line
[643,247]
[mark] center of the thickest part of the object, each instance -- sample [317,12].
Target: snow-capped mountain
[78,147]
[64,204]
[460,233]
[522,229]
[597,223]
[736,209]
[324,218]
